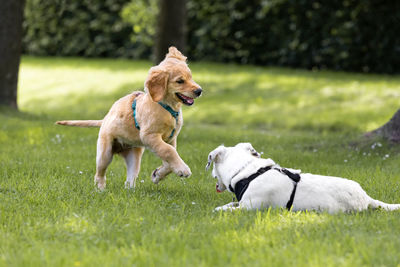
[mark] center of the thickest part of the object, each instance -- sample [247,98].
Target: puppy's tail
[86,123]
[379,204]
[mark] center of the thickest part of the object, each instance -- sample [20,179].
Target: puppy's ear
[156,83]
[215,156]
[175,53]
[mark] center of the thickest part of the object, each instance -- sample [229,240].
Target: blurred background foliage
[141,14]
[90,28]
[350,35]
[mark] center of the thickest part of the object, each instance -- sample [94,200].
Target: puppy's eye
[180,81]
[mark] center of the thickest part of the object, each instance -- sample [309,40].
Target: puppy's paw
[130,184]
[183,171]
[160,173]
[155,176]
[100,182]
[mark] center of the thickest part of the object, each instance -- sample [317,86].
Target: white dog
[261,183]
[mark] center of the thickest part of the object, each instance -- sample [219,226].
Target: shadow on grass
[262,108]
[7,112]
[241,96]
[88,105]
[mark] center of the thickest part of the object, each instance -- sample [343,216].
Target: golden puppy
[151,119]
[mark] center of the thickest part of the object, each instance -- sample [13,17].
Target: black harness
[242,185]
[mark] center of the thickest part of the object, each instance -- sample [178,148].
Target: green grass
[51,214]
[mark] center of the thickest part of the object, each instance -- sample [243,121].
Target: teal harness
[173,113]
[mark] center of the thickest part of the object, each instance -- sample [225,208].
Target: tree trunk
[389,131]
[11,15]
[171,27]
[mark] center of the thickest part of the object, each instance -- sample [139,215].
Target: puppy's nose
[198,91]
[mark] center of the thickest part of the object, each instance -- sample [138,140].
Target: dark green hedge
[91,28]
[342,35]
[348,35]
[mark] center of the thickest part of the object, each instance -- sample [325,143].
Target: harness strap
[174,114]
[242,185]
[296,179]
[134,114]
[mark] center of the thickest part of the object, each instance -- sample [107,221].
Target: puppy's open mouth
[185,99]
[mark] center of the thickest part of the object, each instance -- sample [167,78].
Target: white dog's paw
[223,208]
[219,208]
[230,206]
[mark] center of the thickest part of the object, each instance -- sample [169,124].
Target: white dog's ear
[250,148]
[254,152]
[214,156]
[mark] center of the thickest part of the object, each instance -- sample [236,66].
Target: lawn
[51,214]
